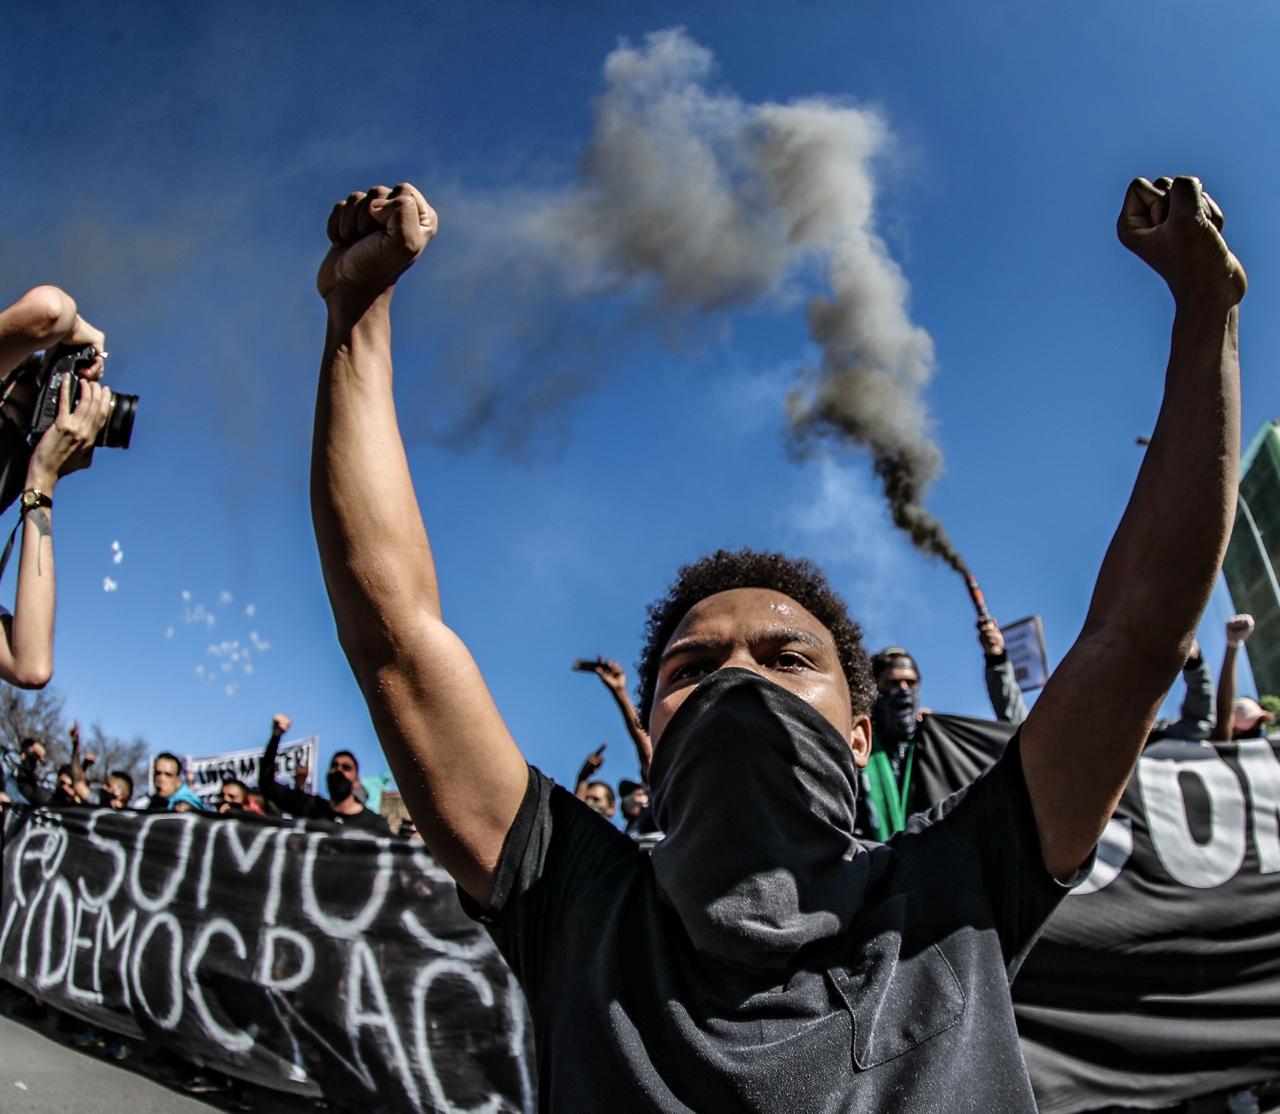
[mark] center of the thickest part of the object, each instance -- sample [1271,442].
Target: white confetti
[230,690]
[20,1085]
[248,669]
[186,596]
[168,632]
[225,597]
[250,609]
[117,554]
[109,585]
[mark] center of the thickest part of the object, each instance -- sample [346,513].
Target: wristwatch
[33,497]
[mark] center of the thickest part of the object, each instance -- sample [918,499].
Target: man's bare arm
[455,762]
[1084,735]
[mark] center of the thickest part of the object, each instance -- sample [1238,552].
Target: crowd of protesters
[890,793]
[25,783]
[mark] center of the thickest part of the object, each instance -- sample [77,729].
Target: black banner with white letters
[1159,978]
[296,956]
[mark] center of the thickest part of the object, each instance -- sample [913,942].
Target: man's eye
[792,661]
[688,671]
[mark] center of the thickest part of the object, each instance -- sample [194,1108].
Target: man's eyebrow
[755,638]
[688,646]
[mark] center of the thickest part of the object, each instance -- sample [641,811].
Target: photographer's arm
[26,650]
[461,773]
[1082,738]
[41,318]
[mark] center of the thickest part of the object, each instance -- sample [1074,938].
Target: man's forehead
[740,611]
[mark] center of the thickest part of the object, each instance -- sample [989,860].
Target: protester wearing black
[637,809]
[341,807]
[22,782]
[765,926]
[833,965]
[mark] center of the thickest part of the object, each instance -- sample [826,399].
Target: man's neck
[348,807]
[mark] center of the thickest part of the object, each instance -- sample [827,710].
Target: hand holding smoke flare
[703,202]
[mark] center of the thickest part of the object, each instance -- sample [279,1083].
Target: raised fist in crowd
[1175,227]
[1239,628]
[376,236]
[280,723]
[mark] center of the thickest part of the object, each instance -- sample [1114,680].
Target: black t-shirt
[910,1011]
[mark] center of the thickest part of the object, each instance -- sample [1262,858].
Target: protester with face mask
[763,958]
[22,783]
[889,796]
[341,807]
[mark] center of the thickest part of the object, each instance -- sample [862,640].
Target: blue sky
[172,167]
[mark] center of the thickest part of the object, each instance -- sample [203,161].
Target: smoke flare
[699,201]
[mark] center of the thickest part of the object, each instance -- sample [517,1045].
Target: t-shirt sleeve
[995,816]
[557,849]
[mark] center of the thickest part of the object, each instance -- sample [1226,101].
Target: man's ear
[860,740]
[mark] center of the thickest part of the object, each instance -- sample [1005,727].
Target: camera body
[57,365]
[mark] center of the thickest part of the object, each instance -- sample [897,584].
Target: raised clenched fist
[1176,229]
[376,236]
[1239,627]
[280,723]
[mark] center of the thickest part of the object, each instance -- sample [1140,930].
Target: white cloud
[109,585]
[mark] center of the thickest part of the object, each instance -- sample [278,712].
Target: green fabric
[374,786]
[888,798]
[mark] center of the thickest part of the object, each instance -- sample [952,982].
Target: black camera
[66,360]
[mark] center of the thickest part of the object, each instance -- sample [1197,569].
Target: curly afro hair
[725,570]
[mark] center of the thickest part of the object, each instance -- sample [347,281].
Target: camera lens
[119,428]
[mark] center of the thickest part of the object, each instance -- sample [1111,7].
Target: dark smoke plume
[698,201]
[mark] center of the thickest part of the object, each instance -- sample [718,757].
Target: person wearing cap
[636,809]
[889,795]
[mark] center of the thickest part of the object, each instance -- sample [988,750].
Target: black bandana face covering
[756,792]
[896,713]
[339,786]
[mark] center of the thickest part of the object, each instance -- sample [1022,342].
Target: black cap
[626,788]
[892,657]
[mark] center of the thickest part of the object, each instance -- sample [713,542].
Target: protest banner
[1158,978]
[294,956]
[207,774]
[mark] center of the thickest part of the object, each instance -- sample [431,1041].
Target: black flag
[1159,978]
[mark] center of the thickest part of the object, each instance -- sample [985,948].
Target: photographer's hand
[67,445]
[83,333]
[26,650]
